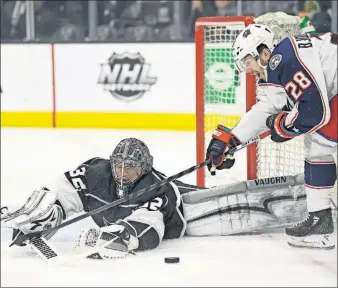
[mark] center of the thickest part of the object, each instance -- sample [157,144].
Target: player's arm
[303,81]
[50,205]
[250,125]
[253,122]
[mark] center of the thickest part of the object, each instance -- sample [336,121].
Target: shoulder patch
[274,61]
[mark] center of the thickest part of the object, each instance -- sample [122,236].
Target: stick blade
[44,249]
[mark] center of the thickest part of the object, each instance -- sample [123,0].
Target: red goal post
[250,91]
[223,96]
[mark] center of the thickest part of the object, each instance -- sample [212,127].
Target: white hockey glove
[110,242]
[40,212]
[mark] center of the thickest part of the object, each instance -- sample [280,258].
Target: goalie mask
[248,41]
[129,161]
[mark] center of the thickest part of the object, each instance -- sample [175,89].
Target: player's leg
[317,229]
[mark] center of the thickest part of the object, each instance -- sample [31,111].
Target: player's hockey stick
[37,234]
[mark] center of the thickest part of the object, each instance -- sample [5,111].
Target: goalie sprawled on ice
[170,212]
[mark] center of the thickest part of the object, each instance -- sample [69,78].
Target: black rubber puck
[171,260]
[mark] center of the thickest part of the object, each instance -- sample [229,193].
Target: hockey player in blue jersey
[297,94]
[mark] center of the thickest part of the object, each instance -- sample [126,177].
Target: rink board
[79,86]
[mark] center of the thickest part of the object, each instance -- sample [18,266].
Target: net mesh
[282,24]
[222,85]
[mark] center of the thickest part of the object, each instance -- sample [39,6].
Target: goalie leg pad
[249,206]
[40,212]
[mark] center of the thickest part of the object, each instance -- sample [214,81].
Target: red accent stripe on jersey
[318,188]
[314,80]
[330,130]
[319,162]
[292,120]
[270,84]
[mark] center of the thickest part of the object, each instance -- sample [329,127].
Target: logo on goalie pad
[272,180]
[126,76]
[274,61]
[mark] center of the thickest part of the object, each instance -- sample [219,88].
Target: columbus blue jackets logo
[274,61]
[126,76]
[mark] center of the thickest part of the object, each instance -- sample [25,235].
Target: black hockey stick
[37,234]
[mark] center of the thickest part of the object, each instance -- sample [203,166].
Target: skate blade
[323,242]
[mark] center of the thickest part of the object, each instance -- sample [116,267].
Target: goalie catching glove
[222,140]
[111,242]
[280,132]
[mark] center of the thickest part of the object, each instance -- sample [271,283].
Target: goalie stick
[38,234]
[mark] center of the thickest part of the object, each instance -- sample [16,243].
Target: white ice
[32,157]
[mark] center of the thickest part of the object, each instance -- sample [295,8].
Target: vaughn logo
[126,76]
[272,180]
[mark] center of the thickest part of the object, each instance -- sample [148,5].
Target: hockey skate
[316,231]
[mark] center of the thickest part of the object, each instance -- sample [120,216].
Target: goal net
[223,95]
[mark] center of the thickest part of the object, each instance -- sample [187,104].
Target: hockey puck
[171,260]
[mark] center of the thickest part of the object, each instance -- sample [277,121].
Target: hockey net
[223,96]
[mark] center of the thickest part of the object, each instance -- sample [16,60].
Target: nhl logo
[126,76]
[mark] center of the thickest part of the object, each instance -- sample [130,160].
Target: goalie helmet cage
[223,96]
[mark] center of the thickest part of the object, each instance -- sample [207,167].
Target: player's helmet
[248,41]
[129,161]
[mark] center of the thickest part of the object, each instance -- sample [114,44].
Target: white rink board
[78,68]
[252,261]
[26,77]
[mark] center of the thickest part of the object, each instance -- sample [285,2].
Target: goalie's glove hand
[222,140]
[279,131]
[110,242]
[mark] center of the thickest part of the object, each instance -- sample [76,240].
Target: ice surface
[32,157]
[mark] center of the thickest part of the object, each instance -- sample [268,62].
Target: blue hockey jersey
[301,79]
